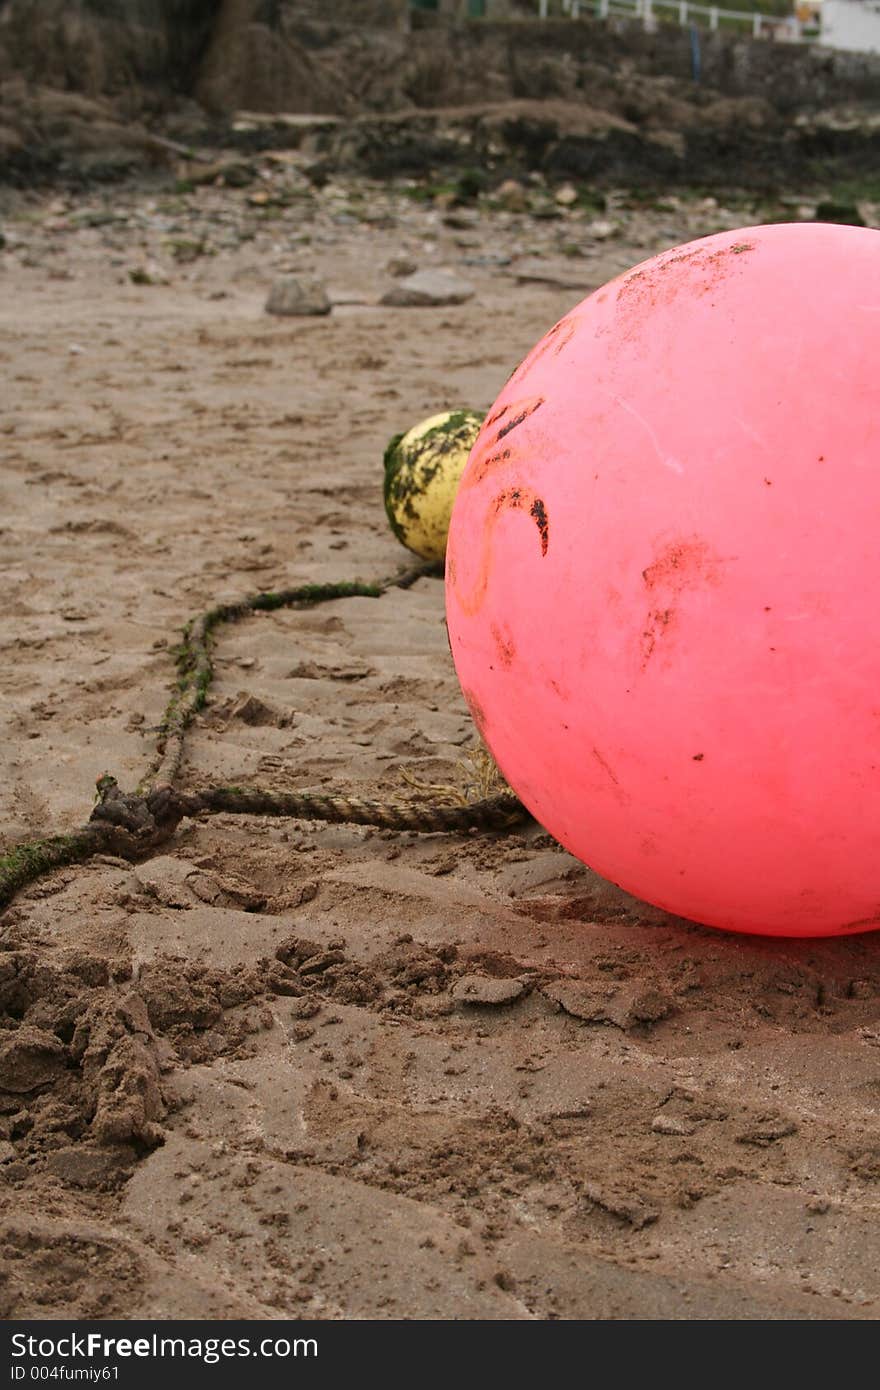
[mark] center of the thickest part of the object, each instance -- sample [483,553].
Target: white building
[853,24]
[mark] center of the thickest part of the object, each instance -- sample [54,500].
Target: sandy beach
[285,1069]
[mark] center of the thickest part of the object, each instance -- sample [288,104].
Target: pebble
[603,230]
[671,1124]
[399,266]
[512,196]
[297,296]
[427,289]
[563,274]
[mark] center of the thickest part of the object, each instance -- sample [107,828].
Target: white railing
[762,24]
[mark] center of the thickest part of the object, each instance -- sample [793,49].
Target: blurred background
[766,96]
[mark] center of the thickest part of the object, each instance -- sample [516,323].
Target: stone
[148,274]
[512,196]
[831,210]
[602,230]
[428,289]
[399,266]
[566,196]
[298,296]
[487,989]
[461,219]
[563,274]
[672,1125]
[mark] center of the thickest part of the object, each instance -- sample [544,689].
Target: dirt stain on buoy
[681,565]
[515,499]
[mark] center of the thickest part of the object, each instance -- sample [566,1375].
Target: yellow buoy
[422,472]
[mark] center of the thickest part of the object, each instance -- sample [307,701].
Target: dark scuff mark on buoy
[472,597]
[479,468]
[659,622]
[606,766]
[682,564]
[493,419]
[555,339]
[539,512]
[528,408]
[622,797]
[504,645]
[518,499]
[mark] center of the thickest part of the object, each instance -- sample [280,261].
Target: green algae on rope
[131,825]
[23,864]
[194,669]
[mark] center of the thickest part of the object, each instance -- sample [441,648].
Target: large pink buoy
[663,580]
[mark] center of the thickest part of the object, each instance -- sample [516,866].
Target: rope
[133,824]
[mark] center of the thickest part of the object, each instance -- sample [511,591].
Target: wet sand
[247,1077]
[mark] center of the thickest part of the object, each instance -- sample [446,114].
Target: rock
[29,1058]
[486,989]
[149,274]
[461,219]
[231,173]
[561,274]
[401,265]
[298,297]
[602,230]
[491,258]
[512,196]
[847,214]
[428,288]
[673,1125]
[566,196]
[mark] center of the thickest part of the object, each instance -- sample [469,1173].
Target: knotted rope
[134,824]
